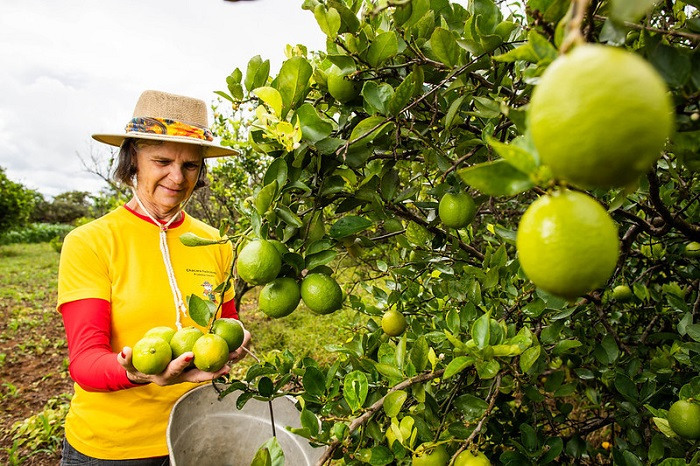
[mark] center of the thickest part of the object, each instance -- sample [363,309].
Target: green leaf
[402,95]
[481,330]
[309,421]
[313,127]
[266,387]
[564,346]
[377,96]
[321,258]
[542,48]
[393,402]
[389,370]
[277,170]
[528,358]
[349,225]
[368,129]
[630,10]
[419,353]
[693,331]
[524,159]
[328,20]
[292,82]
[457,365]
[314,381]
[383,47]
[487,369]
[444,46]
[262,458]
[470,406]
[664,427]
[265,197]
[257,73]
[496,178]
[525,52]
[200,310]
[271,97]
[288,217]
[355,388]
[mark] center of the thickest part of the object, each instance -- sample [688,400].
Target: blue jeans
[72,457]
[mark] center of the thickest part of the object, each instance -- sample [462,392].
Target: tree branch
[357,422]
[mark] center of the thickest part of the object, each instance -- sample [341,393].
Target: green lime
[210,352]
[622,293]
[151,355]
[600,116]
[393,323]
[467,458]
[567,243]
[166,333]
[259,262]
[321,293]
[230,330]
[435,456]
[684,419]
[692,249]
[183,340]
[279,298]
[340,86]
[456,210]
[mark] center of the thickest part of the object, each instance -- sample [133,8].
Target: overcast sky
[71,68]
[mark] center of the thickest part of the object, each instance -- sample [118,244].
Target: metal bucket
[205,430]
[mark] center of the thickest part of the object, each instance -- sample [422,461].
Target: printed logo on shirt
[201,272]
[209,291]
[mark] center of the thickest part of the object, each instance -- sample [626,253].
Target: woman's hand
[177,371]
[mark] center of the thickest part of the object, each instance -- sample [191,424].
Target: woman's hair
[126,164]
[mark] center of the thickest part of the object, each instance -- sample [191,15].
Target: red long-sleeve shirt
[93,365]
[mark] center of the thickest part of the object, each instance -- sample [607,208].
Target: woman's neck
[157,214]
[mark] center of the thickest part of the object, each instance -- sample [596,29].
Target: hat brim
[211,149]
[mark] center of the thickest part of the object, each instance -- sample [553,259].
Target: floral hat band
[168,127]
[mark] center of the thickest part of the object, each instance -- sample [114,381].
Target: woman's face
[166,175]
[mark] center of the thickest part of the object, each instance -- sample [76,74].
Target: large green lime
[600,116]
[183,340]
[321,293]
[567,243]
[280,297]
[230,330]
[393,323]
[684,419]
[436,456]
[151,355]
[259,262]
[210,352]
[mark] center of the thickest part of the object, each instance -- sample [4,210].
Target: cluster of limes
[438,456]
[260,262]
[599,117]
[160,345]
[684,419]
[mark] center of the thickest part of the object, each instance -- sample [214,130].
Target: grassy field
[35,386]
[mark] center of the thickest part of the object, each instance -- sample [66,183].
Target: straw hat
[169,117]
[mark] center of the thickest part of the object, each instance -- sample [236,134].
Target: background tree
[16,203]
[415,99]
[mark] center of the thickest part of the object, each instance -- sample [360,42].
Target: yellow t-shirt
[117,258]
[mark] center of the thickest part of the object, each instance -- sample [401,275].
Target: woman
[127,272]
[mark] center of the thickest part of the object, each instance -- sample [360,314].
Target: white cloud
[76,67]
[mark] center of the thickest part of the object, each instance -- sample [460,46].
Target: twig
[493,394]
[688,229]
[574,35]
[639,27]
[357,422]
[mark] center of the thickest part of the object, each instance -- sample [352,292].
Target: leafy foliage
[487,361]
[16,203]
